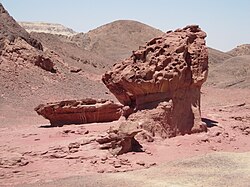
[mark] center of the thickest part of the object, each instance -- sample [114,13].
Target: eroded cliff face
[160,83]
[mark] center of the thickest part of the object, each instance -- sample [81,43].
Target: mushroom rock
[160,83]
[80,111]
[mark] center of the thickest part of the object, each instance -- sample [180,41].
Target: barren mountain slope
[229,69]
[217,57]
[116,40]
[240,50]
[51,28]
[233,72]
[10,30]
[73,55]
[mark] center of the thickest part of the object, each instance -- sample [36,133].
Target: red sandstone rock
[121,140]
[162,81]
[80,111]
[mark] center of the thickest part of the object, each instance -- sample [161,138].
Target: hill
[51,28]
[116,40]
[240,50]
[216,57]
[232,72]
[32,73]
[10,30]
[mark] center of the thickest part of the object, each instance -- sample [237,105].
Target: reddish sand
[37,152]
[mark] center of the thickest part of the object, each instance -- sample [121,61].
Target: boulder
[80,111]
[121,140]
[160,83]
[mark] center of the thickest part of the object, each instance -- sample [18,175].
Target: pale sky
[226,22]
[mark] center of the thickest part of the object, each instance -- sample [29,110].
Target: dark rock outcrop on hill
[80,111]
[165,75]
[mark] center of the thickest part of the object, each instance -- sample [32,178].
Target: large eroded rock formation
[80,111]
[158,86]
[160,83]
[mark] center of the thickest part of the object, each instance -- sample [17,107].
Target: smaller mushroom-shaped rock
[121,140]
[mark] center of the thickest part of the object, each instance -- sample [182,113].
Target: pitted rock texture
[171,69]
[120,140]
[80,111]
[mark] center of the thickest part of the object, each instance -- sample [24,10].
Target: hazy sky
[227,22]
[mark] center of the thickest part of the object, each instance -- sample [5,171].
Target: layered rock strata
[160,83]
[80,111]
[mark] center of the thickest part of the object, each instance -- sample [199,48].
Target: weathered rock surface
[10,160]
[120,140]
[80,111]
[162,81]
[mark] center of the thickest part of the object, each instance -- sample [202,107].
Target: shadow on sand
[210,123]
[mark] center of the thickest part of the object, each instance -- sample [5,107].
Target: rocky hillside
[232,72]
[116,40]
[10,30]
[51,28]
[230,69]
[240,50]
[31,72]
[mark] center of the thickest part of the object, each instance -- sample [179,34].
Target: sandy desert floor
[38,155]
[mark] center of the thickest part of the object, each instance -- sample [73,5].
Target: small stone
[104,158]
[73,147]
[148,152]
[100,171]
[16,171]
[141,163]
[93,161]
[117,165]
[152,164]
